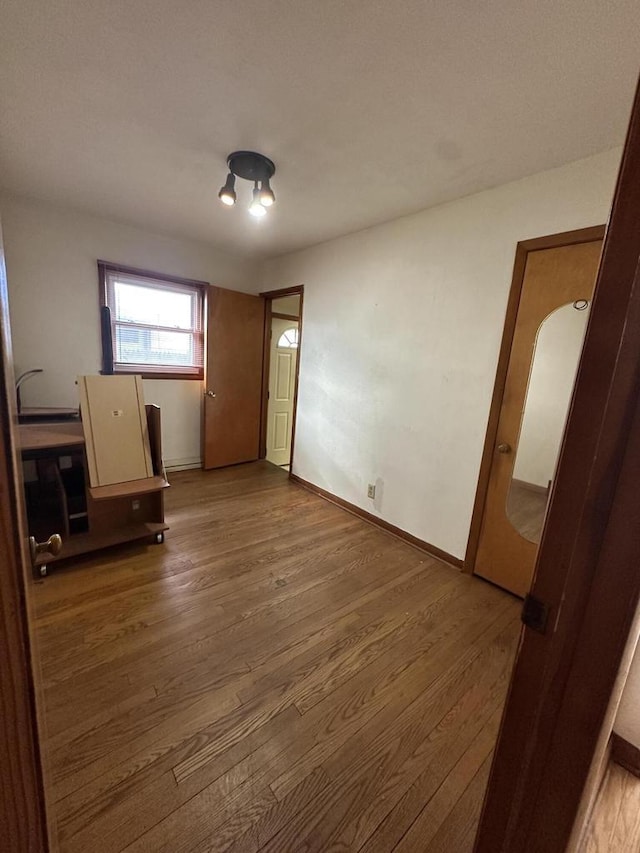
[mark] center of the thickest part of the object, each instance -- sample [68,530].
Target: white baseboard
[182,464]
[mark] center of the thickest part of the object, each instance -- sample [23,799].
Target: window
[289,339]
[156,321]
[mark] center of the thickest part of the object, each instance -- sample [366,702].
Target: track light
[252,167]
[267,197]
[256,208]
[227,194]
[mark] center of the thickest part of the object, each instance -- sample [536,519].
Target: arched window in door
[289,339]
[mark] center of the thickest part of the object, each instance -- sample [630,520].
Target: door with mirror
[549,331]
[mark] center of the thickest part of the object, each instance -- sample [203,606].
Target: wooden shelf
[47,413]
[82,543]
[49,436]
[128,489]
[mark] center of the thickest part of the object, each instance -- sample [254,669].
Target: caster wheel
[159,538]
[43,571]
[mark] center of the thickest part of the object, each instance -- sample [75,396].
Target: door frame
[269,296]
[567,680]
[523,248]
[23,813]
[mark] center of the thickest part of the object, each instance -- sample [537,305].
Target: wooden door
[553,278]
[282,383]
[23,824]
[233,377]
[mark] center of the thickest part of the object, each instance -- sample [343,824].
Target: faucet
[24,376]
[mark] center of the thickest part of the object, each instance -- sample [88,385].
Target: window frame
[106,268]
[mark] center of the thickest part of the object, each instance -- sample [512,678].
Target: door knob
[209,394]
[52,546]
[504,448]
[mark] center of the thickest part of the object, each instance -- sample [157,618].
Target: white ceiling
[370,108]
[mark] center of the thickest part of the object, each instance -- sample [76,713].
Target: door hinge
[535,614]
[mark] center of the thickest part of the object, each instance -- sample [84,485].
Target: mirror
[553,371]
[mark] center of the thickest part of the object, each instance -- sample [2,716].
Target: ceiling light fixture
[252,167]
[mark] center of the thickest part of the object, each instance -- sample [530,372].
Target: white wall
[553,374]
[401,332]
[627,723]
[51,255]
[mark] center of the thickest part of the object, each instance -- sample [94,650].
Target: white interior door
[282,381]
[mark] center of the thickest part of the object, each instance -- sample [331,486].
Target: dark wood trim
[23,816]
[295,393]
[205,378]
[279,316]
[266,364]
[564,238]
[625,754]
[104,266]
[266,359]
[554,729]
[284,291]
[594,787]
[420,544]
[551,241]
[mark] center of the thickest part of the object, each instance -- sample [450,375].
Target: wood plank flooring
[615,823]
[278,676]
[526,510]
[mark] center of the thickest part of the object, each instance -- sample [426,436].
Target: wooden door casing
[233,372]
[23,817]
[269,296]
[552,277]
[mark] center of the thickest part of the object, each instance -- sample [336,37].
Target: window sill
[198,377]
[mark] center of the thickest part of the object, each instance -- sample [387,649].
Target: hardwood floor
[526,510]
[615,824]
[278,676]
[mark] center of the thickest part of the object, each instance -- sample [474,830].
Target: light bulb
[267,198]
[227,194]
[256,207]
